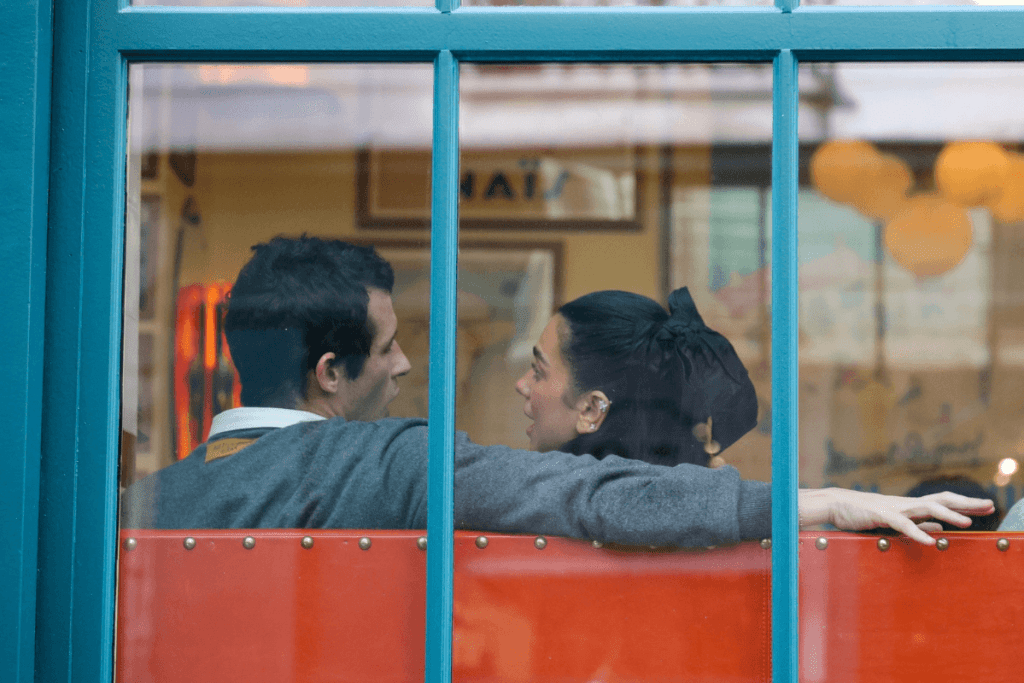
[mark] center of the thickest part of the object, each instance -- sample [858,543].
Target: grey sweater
[334,474]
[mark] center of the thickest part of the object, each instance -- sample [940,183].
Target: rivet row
[189,543]
[540,542]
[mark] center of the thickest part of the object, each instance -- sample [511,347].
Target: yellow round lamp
[883,189]
[840,169]
[930,236]
[1009,208]
[972,173]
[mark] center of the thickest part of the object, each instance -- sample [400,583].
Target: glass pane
[908,348]
[577,179]
[911,208]
[229,371]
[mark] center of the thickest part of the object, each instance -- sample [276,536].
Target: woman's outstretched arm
[858,511]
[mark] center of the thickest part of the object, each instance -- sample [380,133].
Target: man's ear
[593,408]
[328,376]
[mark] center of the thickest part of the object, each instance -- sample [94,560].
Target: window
[94,44]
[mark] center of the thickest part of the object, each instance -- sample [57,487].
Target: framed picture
[593,189]
[496,270]
[507,293]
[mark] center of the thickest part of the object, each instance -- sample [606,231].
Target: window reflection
[637,178]
[909,320]
[588,178]
[223,157]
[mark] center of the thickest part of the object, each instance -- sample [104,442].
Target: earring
[702,431]
[602,405]
[593,426]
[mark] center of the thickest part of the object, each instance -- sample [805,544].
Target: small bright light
[1008,466]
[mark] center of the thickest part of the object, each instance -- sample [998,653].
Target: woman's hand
[857,511]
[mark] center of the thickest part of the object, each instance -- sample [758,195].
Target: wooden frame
[410,209]
[386,246]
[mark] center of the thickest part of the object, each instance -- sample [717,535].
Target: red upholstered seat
[566,611]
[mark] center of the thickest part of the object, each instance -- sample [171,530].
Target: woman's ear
[593,408]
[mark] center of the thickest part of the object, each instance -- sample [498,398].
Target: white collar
[258,418]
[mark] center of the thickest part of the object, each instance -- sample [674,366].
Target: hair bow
[715,380]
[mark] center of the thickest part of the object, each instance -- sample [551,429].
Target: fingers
[908,528]
[954,501]
[948,507]
[859,510]
[941,512]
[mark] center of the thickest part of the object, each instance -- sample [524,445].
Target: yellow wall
[249,198]
[245,199]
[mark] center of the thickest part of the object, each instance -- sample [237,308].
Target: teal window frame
[26,45]
[64,228]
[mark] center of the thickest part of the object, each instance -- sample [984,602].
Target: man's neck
[322,408]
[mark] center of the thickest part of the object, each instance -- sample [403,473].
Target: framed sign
[507,293]
[484,265]
[593,189]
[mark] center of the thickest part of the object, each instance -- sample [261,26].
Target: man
[312,332]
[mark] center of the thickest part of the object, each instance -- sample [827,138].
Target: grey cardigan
[335,474]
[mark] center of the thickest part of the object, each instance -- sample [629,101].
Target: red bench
[561,610]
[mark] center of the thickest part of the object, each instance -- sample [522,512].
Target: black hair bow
[715,381]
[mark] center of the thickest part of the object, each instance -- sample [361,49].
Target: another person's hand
[858,511]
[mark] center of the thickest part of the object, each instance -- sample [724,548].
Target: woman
[614,373]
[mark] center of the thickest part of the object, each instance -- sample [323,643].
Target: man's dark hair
[295,300]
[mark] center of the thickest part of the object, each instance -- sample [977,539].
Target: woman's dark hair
[295,300]
[663,373]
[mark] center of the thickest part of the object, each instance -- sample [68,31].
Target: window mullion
[443,314]
[785,368]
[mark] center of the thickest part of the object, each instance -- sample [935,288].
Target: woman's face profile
[549,393]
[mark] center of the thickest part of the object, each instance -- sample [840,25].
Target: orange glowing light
[930,236]
[972,173]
